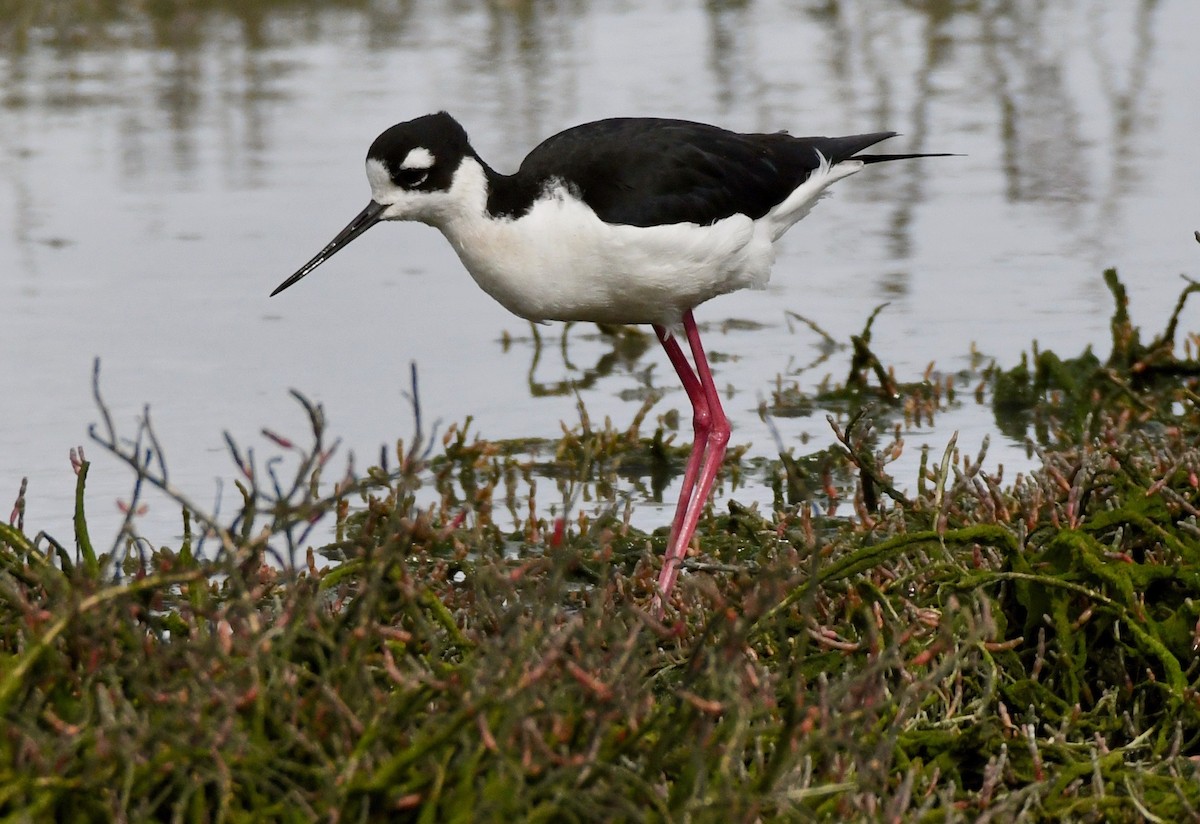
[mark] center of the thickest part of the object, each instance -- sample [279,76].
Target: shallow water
[160,176]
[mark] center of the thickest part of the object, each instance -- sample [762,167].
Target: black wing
[648,172]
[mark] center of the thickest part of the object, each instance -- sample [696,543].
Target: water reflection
[177,60]
[621,346]
[729,50]
[1052,154]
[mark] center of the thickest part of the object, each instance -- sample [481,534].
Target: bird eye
[410,178]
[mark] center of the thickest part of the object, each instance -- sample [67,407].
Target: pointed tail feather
[879,158]
[837,149]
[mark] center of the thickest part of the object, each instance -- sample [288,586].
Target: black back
[651,171]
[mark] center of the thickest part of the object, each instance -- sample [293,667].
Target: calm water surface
[159,176]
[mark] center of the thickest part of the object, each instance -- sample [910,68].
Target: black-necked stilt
[630,220]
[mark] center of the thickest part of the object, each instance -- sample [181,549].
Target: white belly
[560,262]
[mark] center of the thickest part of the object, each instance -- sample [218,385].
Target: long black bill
[367,218]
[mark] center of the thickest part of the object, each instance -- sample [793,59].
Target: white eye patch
[418,158]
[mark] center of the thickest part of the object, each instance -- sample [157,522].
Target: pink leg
[700,424]
[708,450]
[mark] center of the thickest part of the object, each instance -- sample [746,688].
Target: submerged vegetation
[953,646]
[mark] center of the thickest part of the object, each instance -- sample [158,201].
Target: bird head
[411,167]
